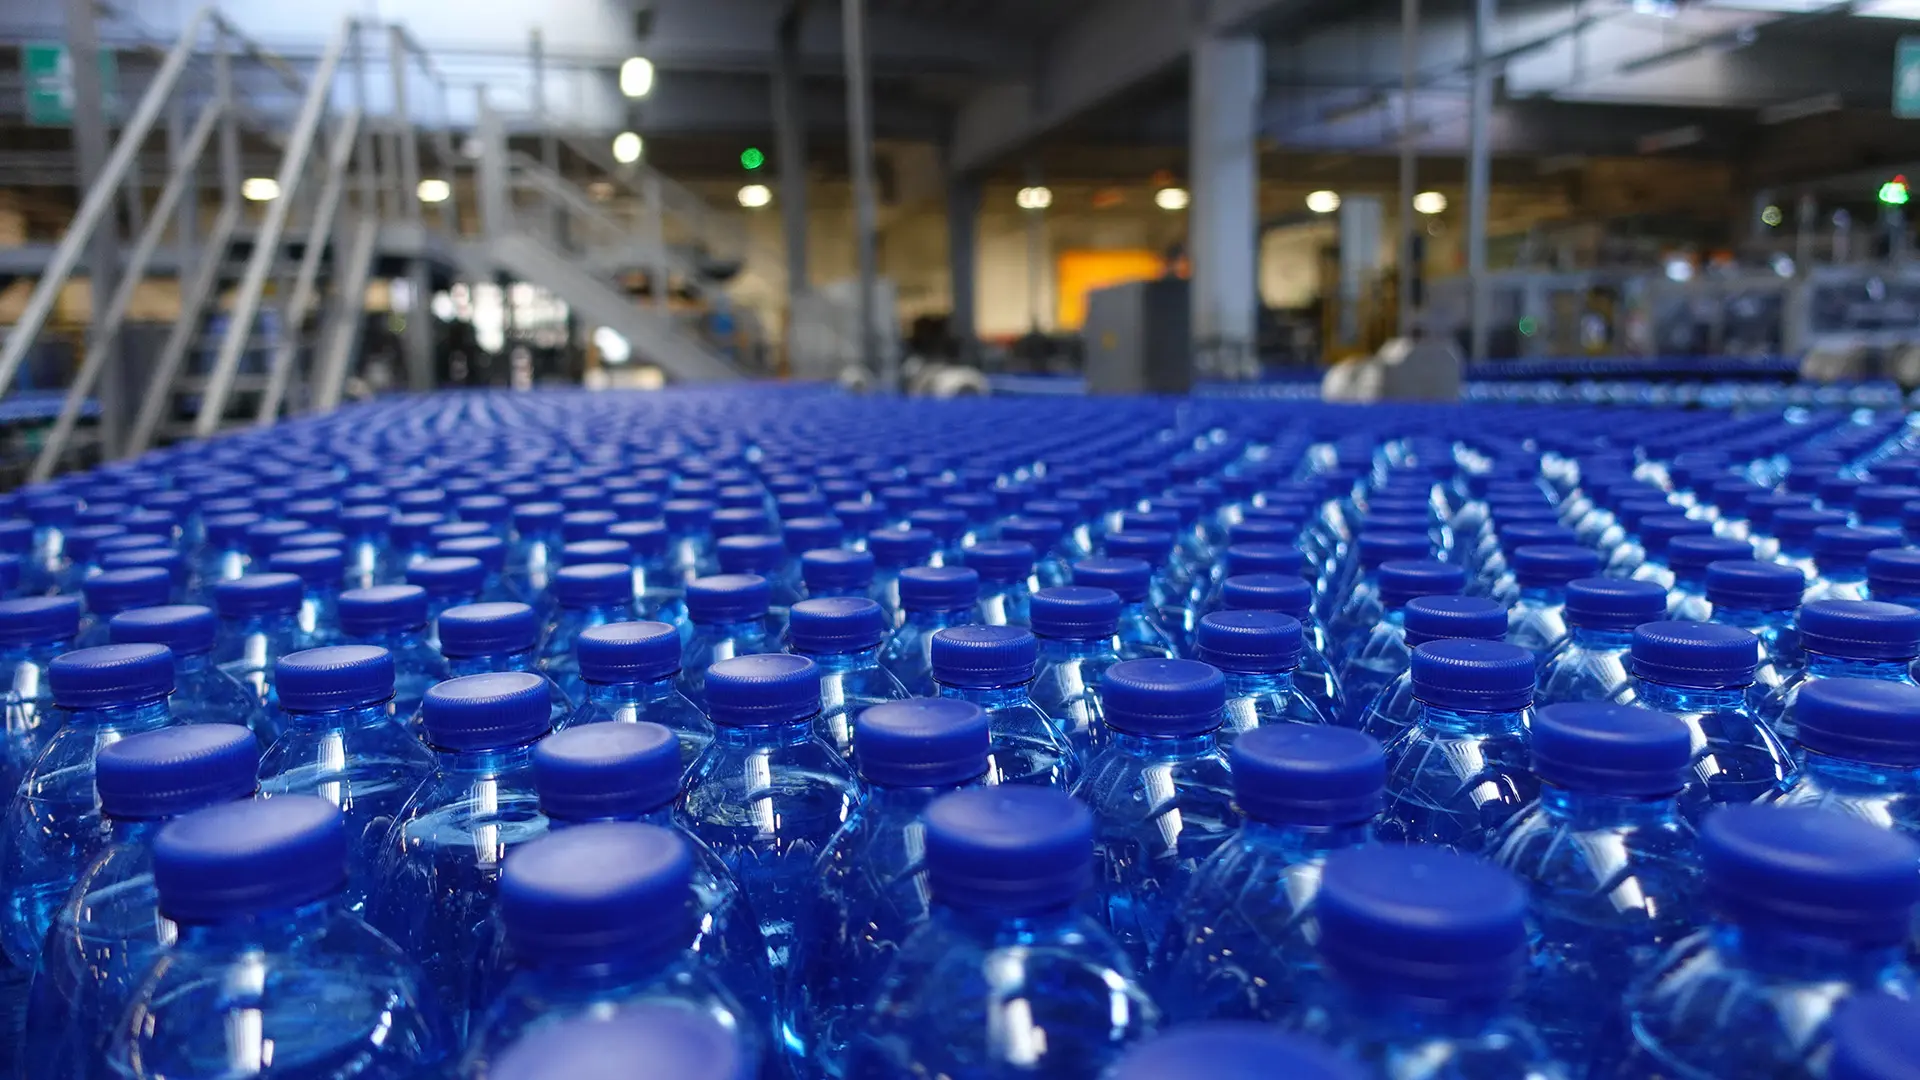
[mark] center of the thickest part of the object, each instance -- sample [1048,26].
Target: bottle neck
[933,619]
[1000,926]
[1058,649]
[1841,573]
[1784,952]
[1461,722]
[858,660]
[191,664]
[369,715]
[603,969]
[481,763]
[1587,637]
[132,716]
[1397,1016]
[1665,698]
[631,693]
[1596,810]
[745,736]
[987,697]
[135,831]
[1162,747]
[490,663]
[1826,666]
[732,628]
[1252,683]
[1848,773]
[593,614]
[1302,842]
[1748,618]
[272,930]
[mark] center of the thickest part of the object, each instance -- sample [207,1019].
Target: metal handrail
[98,204]
[280,370]
[266,247]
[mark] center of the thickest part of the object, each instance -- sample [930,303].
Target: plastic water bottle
[1352,606]
[1076,627]
[1006,953]
[53,826]
[264,937]
[340,740]
[1592,664]
[636,1042]
[767,557]
[491,553]
[1497,577]
[894,550]
[872,875]
[1054,562]
[394,618]
[223,556]
[588,595]
[322,573]
[767,794]
[632,772]
[1425,950]
[1873,1038]
[438,883]
[838,572]
[484,639]
[993,667]
[1005,567]
[1760,598]
[1794,528]
[1258,653]
[1537,621]
[690,537]
[1657,534]
[33,630]
[451,581]
[629,673]
[1241,946]
[566,909]
[203,694]
[534,550]
[1290,595]
[366,529]
[1700,672]
[107,930]
[1429,618]
[1461,772]
[1166,598]
[842,635]
[1141,635]
[1840,557]
[929,599]
[1859,751]
[1809,909]
[727,616]
[1610,863]
[259,623]
[1161,794]
[110,592]
[1380,652]
[1893,575]
[1850,639]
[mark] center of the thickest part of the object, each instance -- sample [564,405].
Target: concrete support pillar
[963,259]
[1223,221]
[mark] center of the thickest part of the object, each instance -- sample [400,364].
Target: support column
[1223,223]
[1479,175]
[853,26]
[417,339]
[963,260]
[1409,179]
[90,144]
[790,154]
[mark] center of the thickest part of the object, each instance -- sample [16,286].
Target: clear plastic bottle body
[1411,1039]
[1884,795]
[907,653]
[1736,758]
[969,994]
[1615,882]
[1456,778]
[557,650]
[1537,622]
[1382,655]
[31,717]
[1781,654]
[417,666]
[1066,687]
[1776,707]
[1591,666]
[1162,805]
[1027,747]
[657,701]
[850,683]
[247,649]
[713,642]
[1241,947]
[560,706]
[1263,699]
[1141,637]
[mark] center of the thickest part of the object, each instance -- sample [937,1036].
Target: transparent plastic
[1455,778]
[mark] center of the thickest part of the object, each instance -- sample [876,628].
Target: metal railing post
[320,231]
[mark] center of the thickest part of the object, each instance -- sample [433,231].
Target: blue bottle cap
[536,517]
[570,897]
[982,657]
[319,568]
[1042,532]
[39,618]
[1169,698]
[187,629]
[1423,922]
[1837,492]
[1750,585]
[1232,1051]
[412,530]
[1470,675]
[1606,603]
[1308,774]
[1794,526]
[165,773]
[860,518]
[1659,530]
[634,1042]
[1610,749]
[1244,559]
[609,550]
[900,547]
[1541,534]
[947,525]
[113,591]
[586,524]
[1694,553]
[16,536]
[938,588]
[448,576]
[1875,1037]
[1883,502]
[628,652]
[836,624]
[1811,873]
[587,585]
[1838,546]
[487,629]
[739,521]
[383,609]
[1252,642]
[1401,580]
[335,677]
[366,522]
[808,533]
[1075,612]
[1864,720]
[487,712]
[248,857]
[1694,654]
[750,554]
[1149,545]
[724,598]
[685,516]
[1009,850]
[111,675]
[1386,545]
[1128,578]
[607,772]
[492,509]
[836,570]
[1283,532]
[1860,629]
[921,742]
[491,551]
[80,541]
[165,559]
[264,539]
[762,690]
[636,506]
[1544,566]
[645,540]
[1267,592]
[1000,561]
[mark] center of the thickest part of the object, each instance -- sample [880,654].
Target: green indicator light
[752,158]
[1894,191]
[1528,326]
